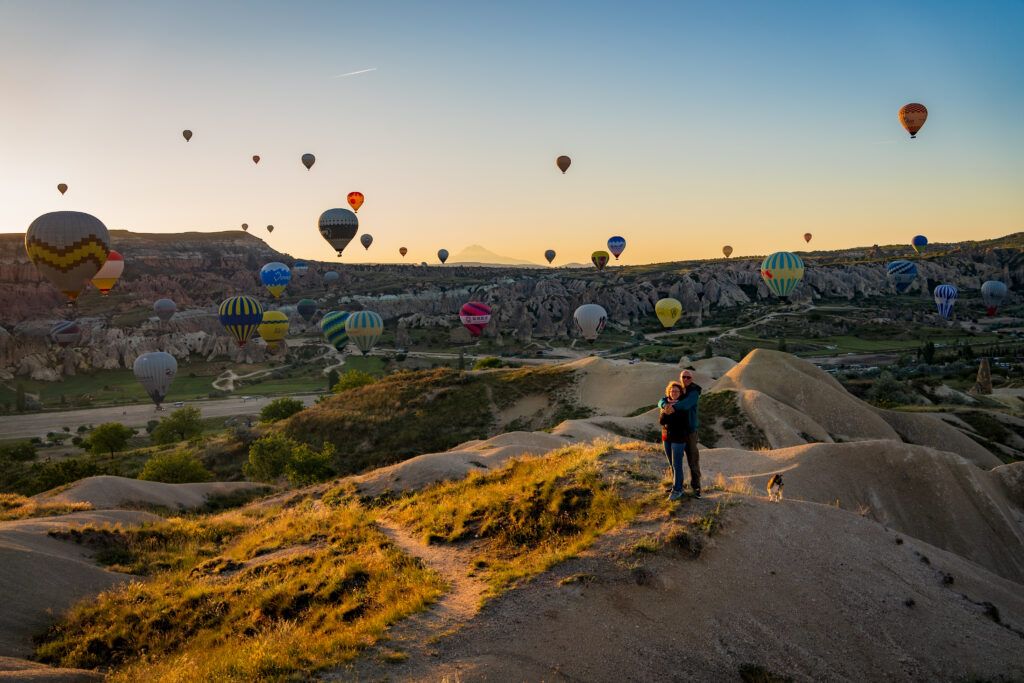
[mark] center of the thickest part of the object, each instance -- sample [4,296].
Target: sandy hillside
[105,492]
[32,672]
[616,387]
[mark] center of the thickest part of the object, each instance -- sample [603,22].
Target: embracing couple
[678,418]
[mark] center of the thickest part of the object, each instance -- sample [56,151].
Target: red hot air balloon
[475,316]
[807,237]
[255,158]
[912,117]
[355,200]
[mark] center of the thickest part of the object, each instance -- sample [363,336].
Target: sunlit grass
[14,506]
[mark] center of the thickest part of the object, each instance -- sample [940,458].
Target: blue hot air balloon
[330,277]
[300,268]
[945,297]
[902,274]
[333,327]
[919,243]
[275,277]
[992,293]
[240,316]
[782,272]
[616,245]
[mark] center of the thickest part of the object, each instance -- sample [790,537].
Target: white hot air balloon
[590,319]
[155,371]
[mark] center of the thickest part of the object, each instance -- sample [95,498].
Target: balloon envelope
[300,268]
[255,158]
[66,332]
[919,243]
[992,293]
[333,327]
[155,372]
[109,273]
[590,319]
[945,297]
[306,308]
[164,309]
[442,255]
[616,245]
[364,329]
[270,228]
[475,316]
[275,276]
[67,248]
[902,274]
[403,251]
[668,311]
[240,316]
[187,134]
[273,328]
[62,188]
[308,160]
[366,239]
[563,162]
[355,200]
[600,259]
[782,272]
[549,255]
[727,250]
[807,237]
[245,226]
[913,116]
[338,227]
[330,277]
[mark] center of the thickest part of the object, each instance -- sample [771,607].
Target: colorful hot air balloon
[300,267]
[338,227]
[913,116]
[255,158]
[333,327]
[355,200]
[68,248]
[616,245]
[275,276]
[668,311]
[66,332]
[245,226]
[364,329]
[549,255]
[164,309]
[109,273]
[563,162]
[919,243]
[590,319]
[307,309]
[366,239]
[330,277]
[308,160]
[782,272]
[155,372]
[992,293]
[403,251]
[727,250]
[187,134]
[442,255]
[600,259]
[62,188]
[902,273]
[240,316]
[945,297]
[807,237]
[273,328]
[475,316]
[270,228]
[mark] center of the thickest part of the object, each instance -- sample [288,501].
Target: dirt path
[226,380]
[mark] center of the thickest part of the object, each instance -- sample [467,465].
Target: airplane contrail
[354,73]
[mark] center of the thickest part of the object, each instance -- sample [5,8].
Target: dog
[774,488]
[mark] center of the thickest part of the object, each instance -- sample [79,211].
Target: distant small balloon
[807,237]
[563,162]
[331,276]
[164,309]
[308,160]
[919,243]
[245,226]
[255,158]
[66,332]
[912,116]
[600,259]
[442,255]
[187,134]
[355,200]
[270,228]
[62,188]
[616,245]
[366,239]
[403,251]
[549,255]
[727,250]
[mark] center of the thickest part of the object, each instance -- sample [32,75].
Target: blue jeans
[675,451]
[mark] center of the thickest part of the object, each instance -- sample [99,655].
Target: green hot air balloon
[333,327]
[782,272]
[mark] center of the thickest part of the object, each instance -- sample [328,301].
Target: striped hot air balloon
[300,268]
[66,332]
[275,276]
[945,297]
[902,273]
[338,227]
[333,327]
[782,272]
[475,316]
[241,316]
[273,328]
[364,329]
[67,248]
[155,372]
[992,293]
[108,275]
[600,259]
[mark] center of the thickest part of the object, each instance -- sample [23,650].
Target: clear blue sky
[691,125]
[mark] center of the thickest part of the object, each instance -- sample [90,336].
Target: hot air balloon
[919,243]
[364,329]
[366,239]
[300,268]
[442,255]
[668,311]
[308,160]
[255,158]
[275,276]
[240,316]
[475,316]
[913,116]
[590,319]
[600,259]
[155,371]
[187,134]
[727,250]
[245,226]
[403,251]
[616,245]
[66,332]
[270,228]
[109,273]
[992,293]
[355,200]
[563,162]
[338,227]
[273,328]
[333,327]
[62,188]
[68,248]
[330,277]
[549,255]
[807,237]
[307,309]
[164,309]
[945,297]
[782,272]
[902,273]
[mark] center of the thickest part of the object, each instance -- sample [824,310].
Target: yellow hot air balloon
[274,328]
[668,311]
[67,248]
[727,250]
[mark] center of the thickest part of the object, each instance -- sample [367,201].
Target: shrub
[353,379]
[307,466]
[180,425]
[177,467]
[108,438]
[23,451]
[488,362]
[275,455]
[280,408]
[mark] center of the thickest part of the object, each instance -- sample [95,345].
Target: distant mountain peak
[476,253]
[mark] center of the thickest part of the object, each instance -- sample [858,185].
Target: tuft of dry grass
[14,506]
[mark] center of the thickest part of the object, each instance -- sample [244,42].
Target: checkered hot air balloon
[364,329]
[782,272]
[912,116]
[902,274]
[945,297]
[273,328]
[333,327]
[992,293]
[475,316]
[155,372]
[67,248]
[338,227]
[241,316]
[275,277]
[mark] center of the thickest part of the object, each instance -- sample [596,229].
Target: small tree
[307,466]
[268,457]
[108,438]
[182,424]
[332,380]
[280,409]
[177,467]
[353,379]
[928,352]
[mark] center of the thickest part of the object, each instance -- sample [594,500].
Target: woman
[675,432]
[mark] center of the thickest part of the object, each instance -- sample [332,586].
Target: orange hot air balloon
[913,116]
[62,188]
[255,158]
[563,163]
[403,251]
[355,200]
[727,250]
[187,134]
[807,237]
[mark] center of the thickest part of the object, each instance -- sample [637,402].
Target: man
[688,403]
